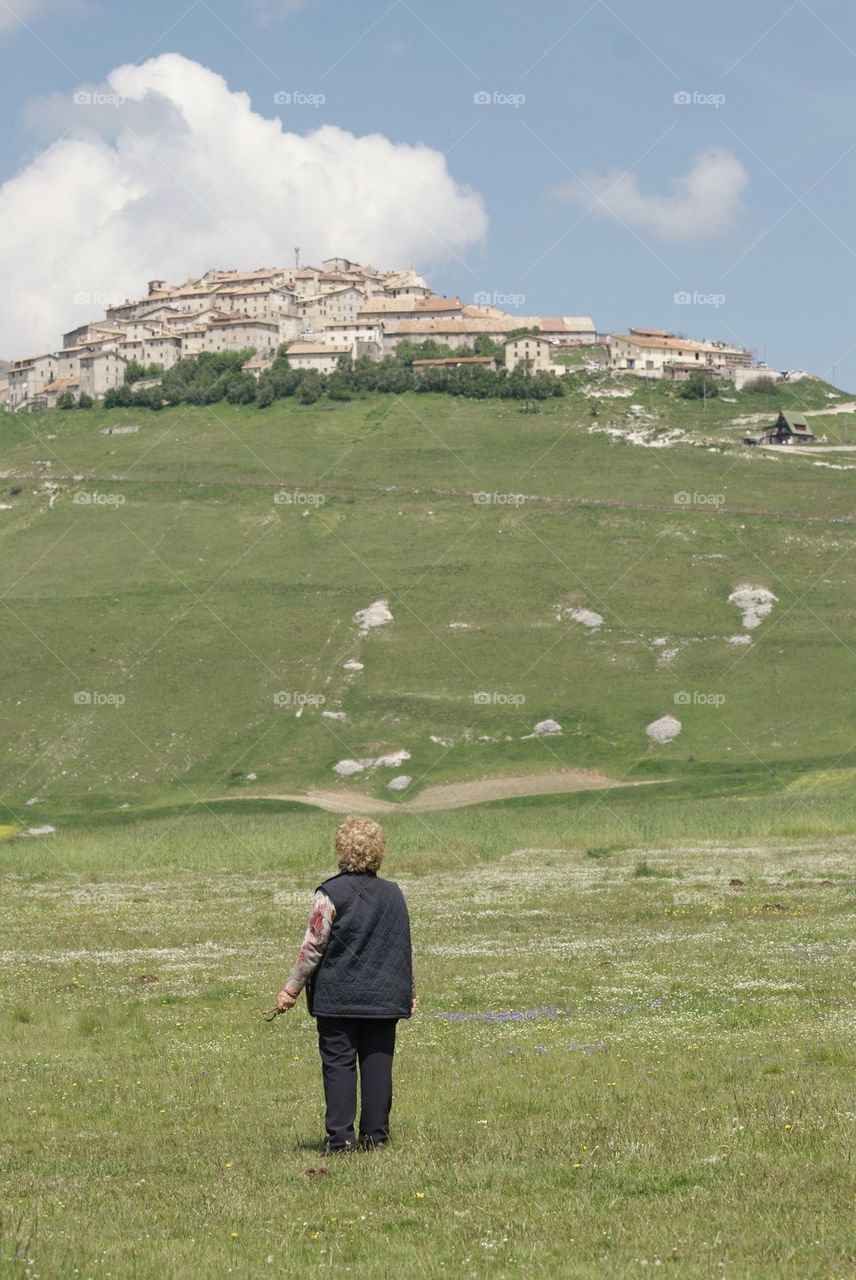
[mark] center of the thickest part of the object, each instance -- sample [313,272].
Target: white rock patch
[346,768]
[664,729]
[39,831]
[393,760]
[334,715]
[459,626]
[754,602]
[544,728]
[587,617]
[401,783]
[441,742]
[376,615]
[740,639]
[352,666]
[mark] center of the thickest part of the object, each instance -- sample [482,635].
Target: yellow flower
[229,1163]
[420,1195]
[313,1235]
[234,1235]
[787,1126]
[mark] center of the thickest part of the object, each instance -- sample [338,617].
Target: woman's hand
[285,1001]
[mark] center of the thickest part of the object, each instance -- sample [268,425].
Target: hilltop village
[335,310]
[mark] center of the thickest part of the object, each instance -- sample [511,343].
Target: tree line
[211,377]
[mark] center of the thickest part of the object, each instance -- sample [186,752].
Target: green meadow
[179,608]
[624,1058]
[633,1049]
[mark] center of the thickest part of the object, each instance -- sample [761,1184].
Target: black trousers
[343,1042]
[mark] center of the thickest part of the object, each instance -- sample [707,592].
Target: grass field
[171,628]
[621,1061]
[674,1089]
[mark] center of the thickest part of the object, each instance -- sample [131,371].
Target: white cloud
[703,203]
[19,13]
[182,175]
[14,13]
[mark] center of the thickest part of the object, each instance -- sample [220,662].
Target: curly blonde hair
[360,845]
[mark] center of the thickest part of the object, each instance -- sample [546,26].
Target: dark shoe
[372,1144]
[335,1151]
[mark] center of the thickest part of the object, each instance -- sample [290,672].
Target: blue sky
[579,158]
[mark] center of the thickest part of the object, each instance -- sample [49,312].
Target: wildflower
[313,1235]
[229,1164]
[234,1235]
[420,1195]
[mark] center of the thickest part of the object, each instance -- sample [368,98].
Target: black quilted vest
[366,970]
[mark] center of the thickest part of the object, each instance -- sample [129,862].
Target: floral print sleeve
[314,943]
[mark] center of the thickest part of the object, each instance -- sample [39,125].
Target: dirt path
[811,450]
[458,795]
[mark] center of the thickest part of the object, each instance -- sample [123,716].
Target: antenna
[297,257]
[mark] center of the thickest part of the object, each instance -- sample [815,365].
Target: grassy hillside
[179,599]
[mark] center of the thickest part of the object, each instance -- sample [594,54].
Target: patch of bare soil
[459,795]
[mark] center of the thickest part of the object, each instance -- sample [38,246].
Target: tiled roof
[239,319]
[662,344]
[417,306]
[318,348]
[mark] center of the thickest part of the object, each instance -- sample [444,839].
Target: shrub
[310,388]
[699,386]
[119,397]
[760,386]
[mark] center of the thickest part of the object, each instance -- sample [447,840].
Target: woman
[357,966]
